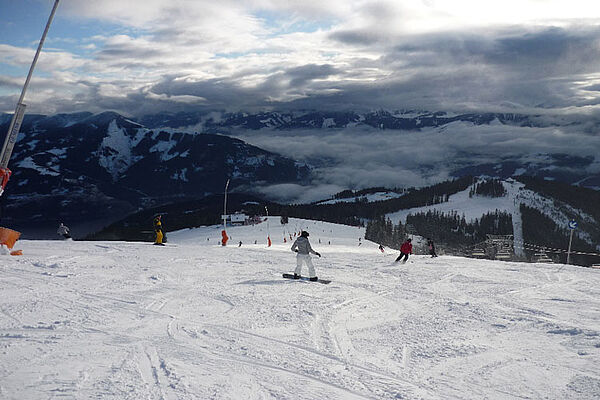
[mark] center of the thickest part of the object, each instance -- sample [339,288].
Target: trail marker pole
[225,206]
[268,230]
[572,227]
[223,232]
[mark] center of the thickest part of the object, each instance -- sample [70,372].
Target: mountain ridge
[82,166]
[104,166]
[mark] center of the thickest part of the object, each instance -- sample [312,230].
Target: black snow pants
[405,255]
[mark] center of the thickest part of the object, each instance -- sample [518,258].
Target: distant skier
[240,244]
[381,248]
[431,248]
[158,230]
[64,231]
[303,248]
[405,250]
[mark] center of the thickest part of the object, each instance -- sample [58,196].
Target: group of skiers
[406,249]
[303,249]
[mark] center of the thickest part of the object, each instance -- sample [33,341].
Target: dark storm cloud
[548,45]
[220,93]
[516,68]
[128,53]
[435,71]
[228,93]
[554,50]
[362,37]
[534,68]
[301,75]
[592,88]
[377,19]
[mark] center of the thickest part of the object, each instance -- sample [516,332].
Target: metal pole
[268,230]
[268,233]
[225,206]
[20,110]
[569,251]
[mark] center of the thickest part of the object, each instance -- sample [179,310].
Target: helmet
[304,234]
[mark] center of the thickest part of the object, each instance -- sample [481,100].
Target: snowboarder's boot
[313,279]
[296,276]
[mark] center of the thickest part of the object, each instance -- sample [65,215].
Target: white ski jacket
[303,246]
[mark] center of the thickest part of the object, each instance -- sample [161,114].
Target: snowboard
[304,278]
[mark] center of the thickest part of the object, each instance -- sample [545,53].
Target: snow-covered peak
[114,152]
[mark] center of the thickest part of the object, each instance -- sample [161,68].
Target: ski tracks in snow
[213,323]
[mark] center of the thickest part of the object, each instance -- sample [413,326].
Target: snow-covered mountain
[382,119]
[426,143]
[195,320]
[84,167]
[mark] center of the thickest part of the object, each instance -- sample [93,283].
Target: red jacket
[406,248]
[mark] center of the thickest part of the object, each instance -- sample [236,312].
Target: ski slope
[194,320]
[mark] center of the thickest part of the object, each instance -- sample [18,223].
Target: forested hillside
[458,215]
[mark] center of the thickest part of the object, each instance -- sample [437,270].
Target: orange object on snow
[269,241]
[225,238]
[16,253]
[8,237]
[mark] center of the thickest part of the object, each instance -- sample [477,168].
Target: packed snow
[196,320]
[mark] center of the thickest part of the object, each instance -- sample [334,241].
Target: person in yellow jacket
[158,230]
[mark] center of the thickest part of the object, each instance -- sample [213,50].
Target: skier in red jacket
[405,250]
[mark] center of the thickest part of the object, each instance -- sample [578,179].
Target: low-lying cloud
[364,157]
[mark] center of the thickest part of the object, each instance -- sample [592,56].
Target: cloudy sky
[141,56]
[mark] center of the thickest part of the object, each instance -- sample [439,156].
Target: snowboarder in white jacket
[303,248]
